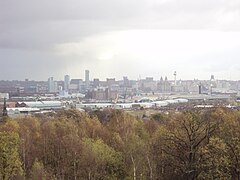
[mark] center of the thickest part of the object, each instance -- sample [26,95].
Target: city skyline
[171,77]
[91,78]
[122,38]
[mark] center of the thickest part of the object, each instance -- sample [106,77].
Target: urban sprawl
[28,97]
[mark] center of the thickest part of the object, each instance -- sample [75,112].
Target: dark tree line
[112,144]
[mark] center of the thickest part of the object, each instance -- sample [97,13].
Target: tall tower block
[66,82]
[87,79]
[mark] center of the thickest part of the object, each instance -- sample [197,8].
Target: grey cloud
[18,64]
[41,24]
[30,29]
[29,11]
[204,14]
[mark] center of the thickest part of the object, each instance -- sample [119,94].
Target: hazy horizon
[111,38]
[170,78]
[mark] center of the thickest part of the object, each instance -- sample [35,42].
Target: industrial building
[42,105]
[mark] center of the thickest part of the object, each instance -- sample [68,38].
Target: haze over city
[40,39]
[119,89]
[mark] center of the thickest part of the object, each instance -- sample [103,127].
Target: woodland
[113,144]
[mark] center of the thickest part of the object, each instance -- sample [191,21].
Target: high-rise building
[66,82]
[52,85]
[87,79]
[125,81]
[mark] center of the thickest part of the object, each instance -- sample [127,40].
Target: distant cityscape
[95,89]
[91,93]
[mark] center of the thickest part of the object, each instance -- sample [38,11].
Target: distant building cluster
[112,89]
[31,96]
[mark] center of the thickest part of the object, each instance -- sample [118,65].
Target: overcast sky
[115,38]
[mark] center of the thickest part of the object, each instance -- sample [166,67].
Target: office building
[66,83]
[52,85]
[87,79]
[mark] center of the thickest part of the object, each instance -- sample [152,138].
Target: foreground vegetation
[112,144]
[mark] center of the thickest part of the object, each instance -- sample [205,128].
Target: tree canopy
[112,144]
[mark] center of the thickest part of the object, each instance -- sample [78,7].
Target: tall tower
[51,85]
[200,88]
[175,78]
[66,82]
[87,79]
[5,108]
